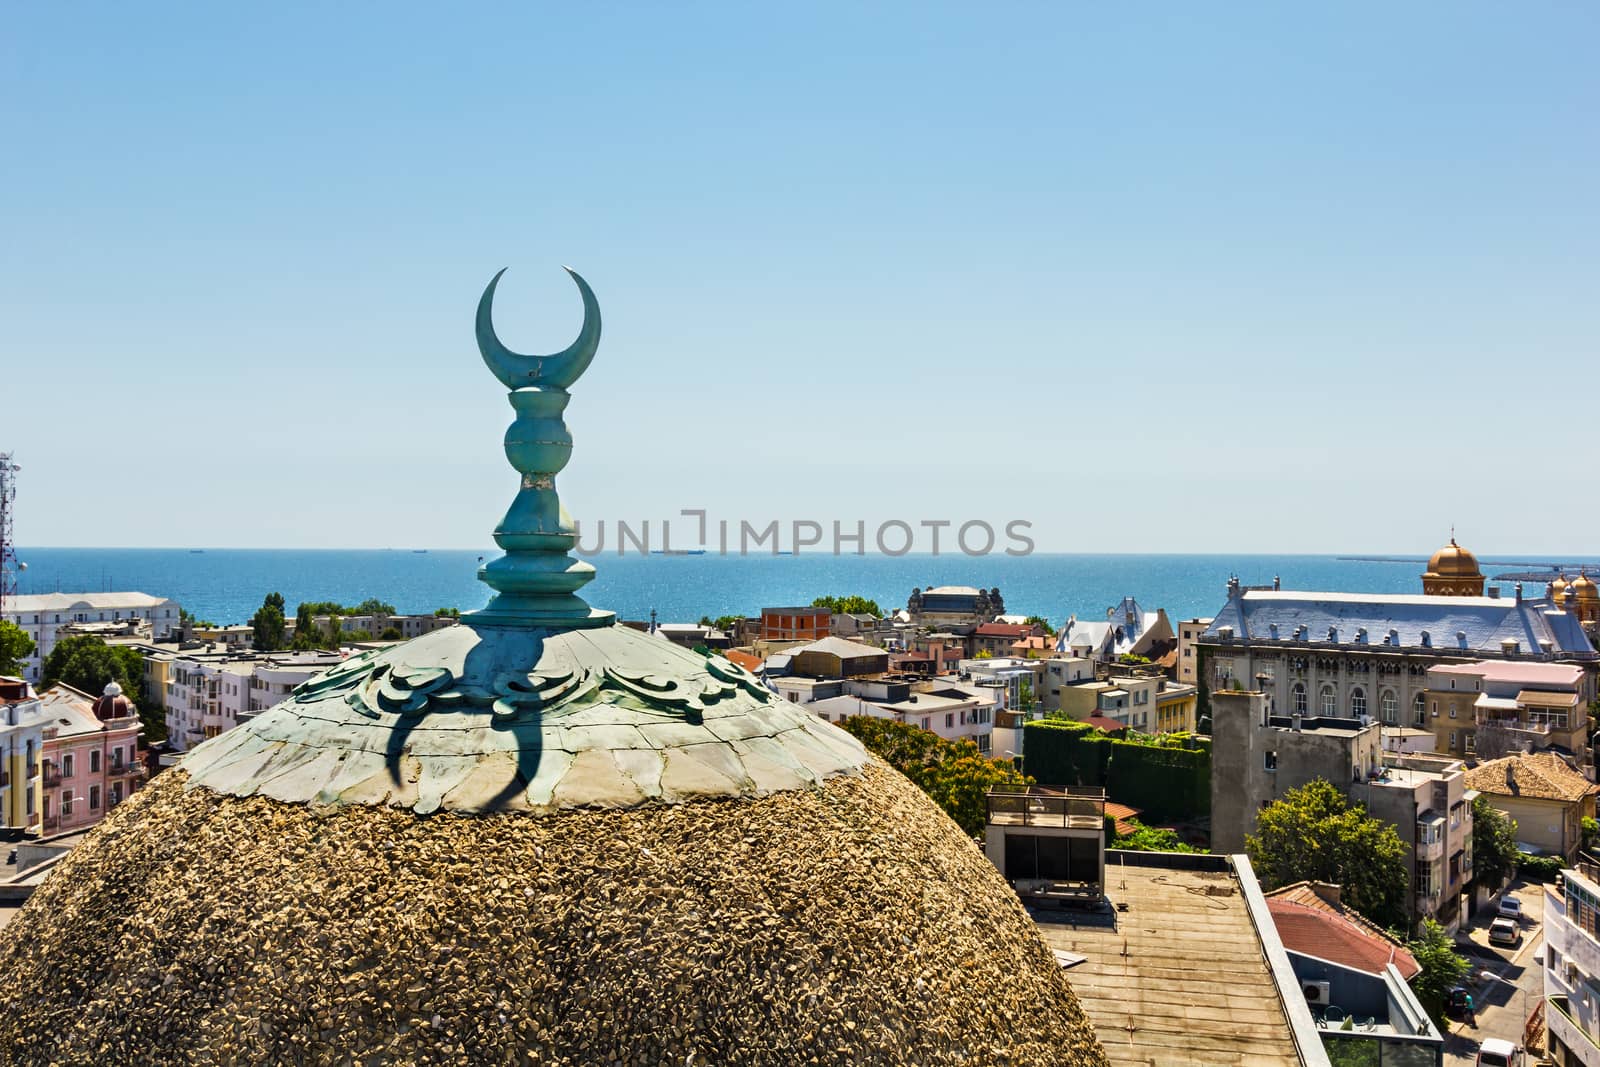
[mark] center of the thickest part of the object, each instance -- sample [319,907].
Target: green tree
[333,636]
[269,624]
[1042,623]
[1026,701]
[15,646]
[1315,833]
[88,665]
[1442,967]
[1494,843]
[391,633]
[849,605]
[372,606]
[306,635]
[1151,839]
[953,773]
[447,613]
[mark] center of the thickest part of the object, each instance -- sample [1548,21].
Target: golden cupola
[1453,571]
[1586,596]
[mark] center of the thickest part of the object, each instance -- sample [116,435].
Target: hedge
[1163,779]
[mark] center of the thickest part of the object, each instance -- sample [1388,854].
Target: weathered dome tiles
[459,720]
[538,701]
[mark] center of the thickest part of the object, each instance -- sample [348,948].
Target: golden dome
[1584,588]
[1557,588]
[1453,561]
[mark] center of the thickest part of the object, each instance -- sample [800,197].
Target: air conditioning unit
[1317,993]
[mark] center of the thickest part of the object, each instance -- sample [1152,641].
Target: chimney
[1327,891]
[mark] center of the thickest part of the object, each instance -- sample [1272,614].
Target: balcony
[117,768]
[51,778]
[51,822]
[1566,1028]
[1058,809]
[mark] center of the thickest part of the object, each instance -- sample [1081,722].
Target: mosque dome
[535,836]
[1583,587]
[1557,589]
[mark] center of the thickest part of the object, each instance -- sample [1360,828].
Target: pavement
[1507,982]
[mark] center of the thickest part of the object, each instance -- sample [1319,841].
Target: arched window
[1358,703]
[1391,707]
[1300,698]
[1420,707]
[1329,707]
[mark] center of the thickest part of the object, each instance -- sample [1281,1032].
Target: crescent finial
[558,371]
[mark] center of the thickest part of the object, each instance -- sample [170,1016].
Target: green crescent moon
[557,371]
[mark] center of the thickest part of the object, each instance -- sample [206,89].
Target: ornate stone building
[1356,655]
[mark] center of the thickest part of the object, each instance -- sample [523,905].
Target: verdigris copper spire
[537,579]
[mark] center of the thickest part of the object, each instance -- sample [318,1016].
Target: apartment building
[43,616]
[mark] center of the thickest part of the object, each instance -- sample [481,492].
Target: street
[1507,981]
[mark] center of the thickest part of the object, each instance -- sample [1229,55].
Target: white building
[42,615]
[954,710]
[210,694]
[1572,967]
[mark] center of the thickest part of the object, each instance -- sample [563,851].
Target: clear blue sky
[1158,278]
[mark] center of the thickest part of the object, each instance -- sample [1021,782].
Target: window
[927,723]
[1358,703]
[1420,705]
[1452,740]
[950,721]
[1391,707]
[94,798]
[1271,761]
[1471,742]
[66,765]
[66,802]
[94,762]
[1329,706]
[1452,709]
[1299,698]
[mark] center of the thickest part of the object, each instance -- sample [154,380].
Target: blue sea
[226,585]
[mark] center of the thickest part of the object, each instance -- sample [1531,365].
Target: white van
[1497,1053]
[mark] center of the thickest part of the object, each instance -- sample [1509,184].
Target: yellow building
[1176,710]
[21,741]
[1453,571]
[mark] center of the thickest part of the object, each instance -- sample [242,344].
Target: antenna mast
[8,549]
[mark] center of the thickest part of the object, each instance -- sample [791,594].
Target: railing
[51,778]
[1559,1002]
[1057,809]
[51,822]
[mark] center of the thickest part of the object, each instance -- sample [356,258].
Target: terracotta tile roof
[1003,629]
[745,660]
[1330,932]
[1105,722]
[1537,775]
[1124,817]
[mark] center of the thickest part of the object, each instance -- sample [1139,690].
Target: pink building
[90,756]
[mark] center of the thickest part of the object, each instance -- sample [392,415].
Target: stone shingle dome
[534,837]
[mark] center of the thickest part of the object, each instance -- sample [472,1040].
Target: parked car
[1504,932]
[1495,1052]
[1510,908]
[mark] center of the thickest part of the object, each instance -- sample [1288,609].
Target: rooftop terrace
[1174,971]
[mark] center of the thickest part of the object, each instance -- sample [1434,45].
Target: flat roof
[1178,978]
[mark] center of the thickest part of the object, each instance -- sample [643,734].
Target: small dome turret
[1453,571]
